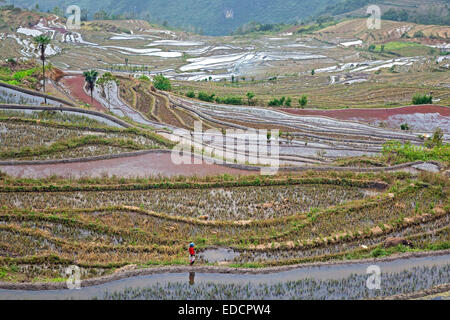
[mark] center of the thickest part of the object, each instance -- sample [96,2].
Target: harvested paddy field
[274,221]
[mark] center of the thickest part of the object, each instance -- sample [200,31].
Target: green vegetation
[211,97]
[190,94]
[303,101]
[206,97]
[234,100]
[438,17]
[404,127]
[255,27]
[422,99]
[404,48]
[91,77]
[27,77]
[42,42]
[106,82]
[321,23]
[144,78]
[396,152]
[162,83]
[283,101]
[250,96]
[436,13]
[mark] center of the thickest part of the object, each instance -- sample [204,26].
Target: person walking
[191,253]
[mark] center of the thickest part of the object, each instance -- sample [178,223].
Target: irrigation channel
[344,280]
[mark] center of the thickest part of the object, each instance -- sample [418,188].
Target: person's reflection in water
[191,278]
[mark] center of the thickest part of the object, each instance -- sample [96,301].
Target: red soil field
[414,115]
[75,85]
[380,114]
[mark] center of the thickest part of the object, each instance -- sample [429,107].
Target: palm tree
[42,43]
[91,77]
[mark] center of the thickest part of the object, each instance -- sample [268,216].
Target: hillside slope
[218,17]
[418,11]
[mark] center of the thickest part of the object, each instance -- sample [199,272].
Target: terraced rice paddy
[351,287]
[286,223]
[218,203]
[42,138]
[96,186]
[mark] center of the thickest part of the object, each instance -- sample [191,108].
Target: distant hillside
[417,11]
[212,17]
[221,17]
[390,31]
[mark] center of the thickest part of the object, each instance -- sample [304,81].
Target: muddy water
[218,255]
[145,165]
[324,272]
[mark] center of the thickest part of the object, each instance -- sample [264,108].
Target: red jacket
[191,251]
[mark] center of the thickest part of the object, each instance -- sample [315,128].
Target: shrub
[190,94]
[250,96]
[378,252]
[397,152]
[162,83]
[419,34]
[303,101]
[288,102]
[422,99]
[206,97]
[144,78]
[230,100]
[404,126]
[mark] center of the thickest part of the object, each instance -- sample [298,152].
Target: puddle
[214,255]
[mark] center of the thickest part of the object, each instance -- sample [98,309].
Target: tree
[106,82]
[42,42]
[303,101]
[250,96]
[91,77]
[101,15]
[288,102]
[162,83]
